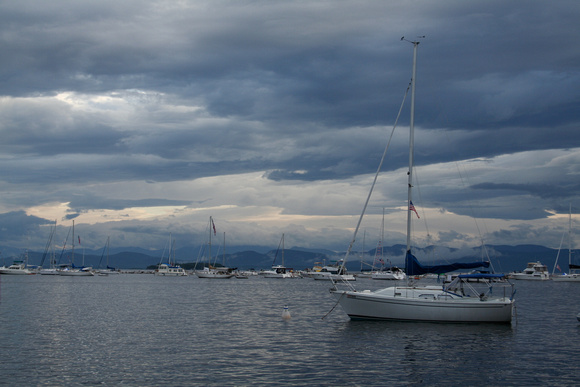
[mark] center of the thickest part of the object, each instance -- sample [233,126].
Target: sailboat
[49,251]
[458,301]
[73,270]
[574,270]
[279,271]
[212,271]
[108,270]
[385,273]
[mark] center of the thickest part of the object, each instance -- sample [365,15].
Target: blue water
[142,330]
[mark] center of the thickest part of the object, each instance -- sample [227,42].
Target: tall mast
[411,143]
[383,239]
[72,260]
[570,236]
[108,252]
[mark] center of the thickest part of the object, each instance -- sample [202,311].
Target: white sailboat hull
[214,274]
[180,273]
[429,304]
[49,272]
[171,274]
[388,275]
[530,277]
[76,273]
[567,278]
[107,272]
[326,276]
[277,275]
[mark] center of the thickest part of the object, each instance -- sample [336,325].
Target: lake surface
[142,330]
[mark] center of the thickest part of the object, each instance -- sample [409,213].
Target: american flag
[412,208]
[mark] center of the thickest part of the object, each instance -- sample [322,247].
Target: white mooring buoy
[286,313]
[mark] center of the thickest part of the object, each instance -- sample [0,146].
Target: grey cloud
[306,91]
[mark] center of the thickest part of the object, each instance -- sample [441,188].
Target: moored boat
[212,271]
[169,269]
[573,274]
[459,301]
[535,271]
[215,273]
[164,269]
[393,273]
[279,271]
[76,271]
[72,270]
[333,272]
[17,268]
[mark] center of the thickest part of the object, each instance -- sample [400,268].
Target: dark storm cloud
[305,91]
[17,225]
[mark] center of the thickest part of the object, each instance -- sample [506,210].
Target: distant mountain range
[503,258]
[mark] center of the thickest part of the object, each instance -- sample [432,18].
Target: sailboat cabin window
[427,296]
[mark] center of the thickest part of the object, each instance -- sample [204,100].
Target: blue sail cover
[413,267]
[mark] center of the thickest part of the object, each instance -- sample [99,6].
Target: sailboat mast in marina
[390,273]
[573,274]
[73,270]
[169,269]
[212,271]
[279,271]
[468,298]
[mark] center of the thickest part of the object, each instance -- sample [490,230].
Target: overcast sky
[140,118]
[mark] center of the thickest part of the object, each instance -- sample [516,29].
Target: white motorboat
[334,272]
[169,269]
[17,268]
[535,271]
[459,301]
[165,269]
[279,271]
